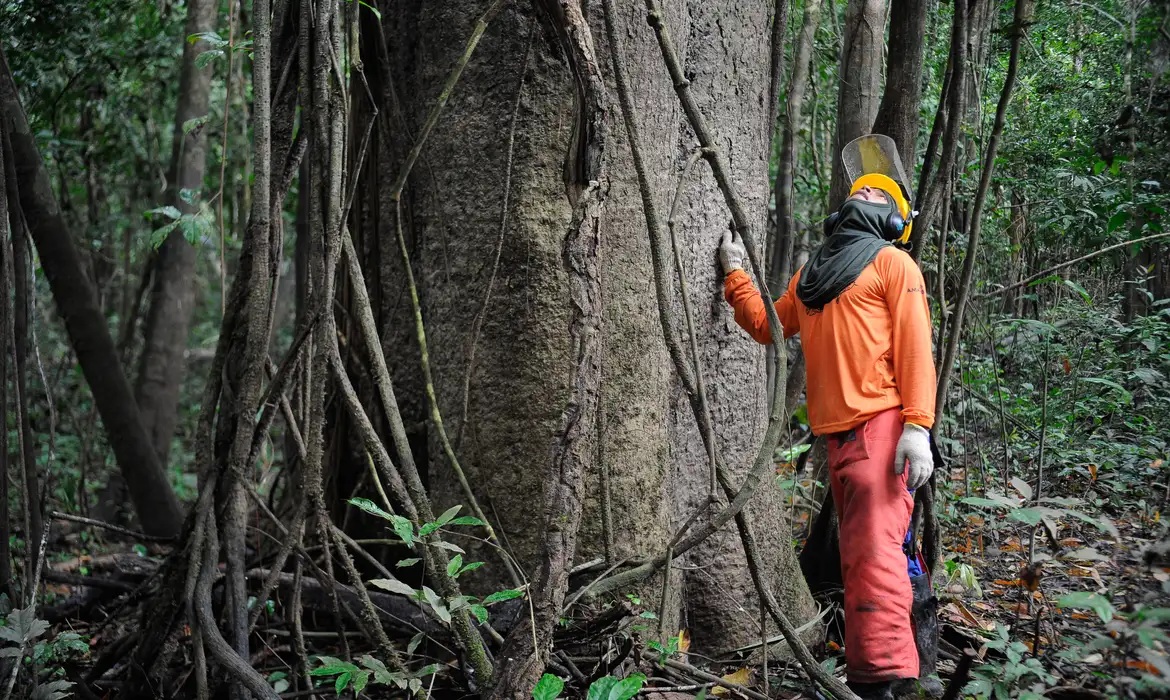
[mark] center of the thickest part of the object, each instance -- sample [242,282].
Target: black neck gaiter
[852,246]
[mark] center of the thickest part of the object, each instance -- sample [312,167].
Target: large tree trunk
[172,297]
[859,85]
[154,500]
[649,446]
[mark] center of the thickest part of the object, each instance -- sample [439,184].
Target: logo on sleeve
[916,290]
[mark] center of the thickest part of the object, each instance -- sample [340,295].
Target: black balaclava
[852,246]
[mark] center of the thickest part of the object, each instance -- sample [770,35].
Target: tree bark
[172,296]
[860,83]
[525,653]
[897,116]
[648,439]
[154,500]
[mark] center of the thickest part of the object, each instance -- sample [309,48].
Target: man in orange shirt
[860,307]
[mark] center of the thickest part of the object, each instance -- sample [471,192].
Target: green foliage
[610,688]
[1016,677]
[549,687]
[25,631]
[369,670]
[1088,600]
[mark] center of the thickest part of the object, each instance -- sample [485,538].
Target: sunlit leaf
[549,687]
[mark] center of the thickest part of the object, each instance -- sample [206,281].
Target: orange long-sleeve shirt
[868,350]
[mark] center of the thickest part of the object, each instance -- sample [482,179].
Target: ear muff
[894,227]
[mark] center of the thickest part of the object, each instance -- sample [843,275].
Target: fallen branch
[397,611]
[134,534]
[1069,263]
[703,675]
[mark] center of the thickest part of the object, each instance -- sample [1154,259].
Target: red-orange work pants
[874,510]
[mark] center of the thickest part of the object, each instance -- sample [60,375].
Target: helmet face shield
[872,160]
[874,153]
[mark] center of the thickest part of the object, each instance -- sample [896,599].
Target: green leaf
[159,235]
[168,211]
[448,546]
[53,690]
[428,670]
[459,603]
[480,612]
[205,58]
[360,679]
[331,666]
[792,453]
[427,528]
[1079,290]
[414,642]
[1117,221]
[403,563]
[1155,615]
[404,529]
[436,604]
[1101,522]
[342,681]
[196,227]
[23,626]
[1088,600]
[382,674]
[467,520]
[1031,516]
[501,596]
[370,507]
[454,565]
[549,687]
[1126,397]
[610,688]
[470,567]
[213,39]
[394,586]
[448,515]
[371,8]
[1023,487]
[191,125]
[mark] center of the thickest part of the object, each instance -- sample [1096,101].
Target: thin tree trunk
[955,88]
[1023,17]
[897,116]
[9,208]
[780,266]
[172,296]
[154,500]
[20,270]
[859,84]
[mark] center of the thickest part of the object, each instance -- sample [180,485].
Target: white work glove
[732,252]
[914,447]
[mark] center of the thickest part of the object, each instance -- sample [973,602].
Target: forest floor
[1077,616]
